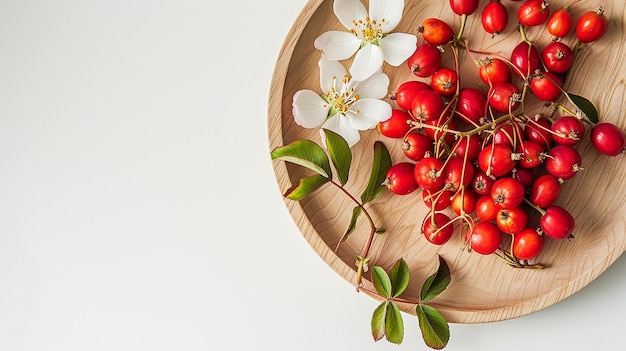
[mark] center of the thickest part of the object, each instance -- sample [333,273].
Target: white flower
[369,36]
[346,106]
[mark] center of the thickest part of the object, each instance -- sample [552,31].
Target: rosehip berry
[591,26]
[399,178]
[533,12]
[563,161]
[608,139]
[557,222]
[437,228]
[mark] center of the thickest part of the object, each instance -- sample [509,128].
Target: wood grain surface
[483,288]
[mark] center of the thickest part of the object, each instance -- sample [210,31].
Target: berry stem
[535,207]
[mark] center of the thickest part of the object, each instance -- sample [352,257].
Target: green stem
[535,207]
[373,228]
[462,29]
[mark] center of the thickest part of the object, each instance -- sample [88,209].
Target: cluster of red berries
[480,153]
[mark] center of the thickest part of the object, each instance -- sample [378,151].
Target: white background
[139,209]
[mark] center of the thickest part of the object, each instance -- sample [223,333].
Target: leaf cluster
[387,319]
[312,156]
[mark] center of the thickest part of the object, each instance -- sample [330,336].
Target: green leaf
[381,281]
[356,212]
[305,187]
[340,154]
[304,153]
[399,276]
[585,106]
[394,325]
[436,283]
[382,162]
[435,328]
[378,321]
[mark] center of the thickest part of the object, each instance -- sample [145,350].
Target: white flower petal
[366,113]
[340,125]
[309,109]
[390,10]
[337,45]
[348,11]
[397,47]
[331,74]
[368,60]
[376,86]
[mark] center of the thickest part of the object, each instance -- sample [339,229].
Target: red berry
[557,222]
[591,26]
[560,22]
[400,179]
[608,139]
[424,61]
[495,17]
[533,12]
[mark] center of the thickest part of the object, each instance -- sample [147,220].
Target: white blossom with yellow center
[346,106]
[369,36]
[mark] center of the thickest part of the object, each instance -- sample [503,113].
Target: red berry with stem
[437,228]
[471,105]
[496,160]
[494,70]
[533,12]
[546,86]
[428,173]
[563,161]
[495,17]
[526,59]
[435,31]
[557,57]
[444,81]
[545,190]
[436,200]
[416,146]
[507,192]
[557,222]
[427,105]
[568,130]
[464,7]
[512,220]
[539,131]
[425,60]
[399,178]
[504,97]
[484,238]
[527,244]
[591,26]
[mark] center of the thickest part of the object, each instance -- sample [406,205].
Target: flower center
[370,31]
[340,101]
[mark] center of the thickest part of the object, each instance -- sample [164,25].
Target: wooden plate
[483,288]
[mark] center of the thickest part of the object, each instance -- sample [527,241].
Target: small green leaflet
[399,276]
[436,283]
[340,154]
[305,187]
[382,163]
[387,322]
[394,325]
[356,212]
[435,329]
[378,321]
[584,105]
[304,153]
[381,281]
